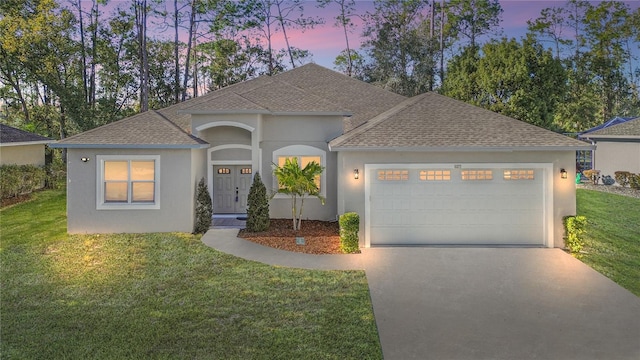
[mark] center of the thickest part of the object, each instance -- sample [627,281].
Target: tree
[350,63]
[517,79]
[298,183]
[343,19]
[473,18]
[257,206]
[204,208]
[398,44]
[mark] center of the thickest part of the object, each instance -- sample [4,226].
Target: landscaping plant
[349,225]
[593,175]
[257,206]
[574,228]
[298,183]
[622,177]
[204,209]
[17,180]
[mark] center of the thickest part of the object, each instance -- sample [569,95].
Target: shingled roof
[149,129]
[629,129]
[12,136]
[439,123]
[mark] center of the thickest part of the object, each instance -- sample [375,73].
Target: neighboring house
[421,170]
[618,147]
[21,147]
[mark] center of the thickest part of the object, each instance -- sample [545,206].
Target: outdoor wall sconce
[356,174]
[84,159]
[563,173]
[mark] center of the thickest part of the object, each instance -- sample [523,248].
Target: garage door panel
[467,212]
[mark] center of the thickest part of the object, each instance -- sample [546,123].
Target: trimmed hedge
[574,227]
[349,226]
[18,180]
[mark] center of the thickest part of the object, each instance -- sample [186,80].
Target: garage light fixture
[356,174]
[84,159]
[563,173]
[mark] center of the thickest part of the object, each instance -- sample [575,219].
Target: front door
[231,185]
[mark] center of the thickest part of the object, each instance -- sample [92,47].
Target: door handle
[236,194]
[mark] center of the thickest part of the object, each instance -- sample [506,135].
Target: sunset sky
[326,41]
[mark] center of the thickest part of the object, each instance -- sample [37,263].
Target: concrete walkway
[479,303]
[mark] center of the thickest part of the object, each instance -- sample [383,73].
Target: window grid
[435,175]
[130,181]
[245,171]
[518,174]
[393,175]
[475,175]
[224,171]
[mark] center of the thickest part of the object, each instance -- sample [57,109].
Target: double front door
[231,185]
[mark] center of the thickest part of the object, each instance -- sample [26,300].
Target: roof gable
[12,136]
[627,129]
[149,129]
[434,122]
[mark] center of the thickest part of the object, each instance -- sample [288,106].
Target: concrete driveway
[498,303]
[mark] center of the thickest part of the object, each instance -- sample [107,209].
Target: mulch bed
[321,237]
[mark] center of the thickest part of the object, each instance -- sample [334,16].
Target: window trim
[299,151]
[101,204]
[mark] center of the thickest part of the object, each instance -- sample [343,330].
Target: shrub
[634,181]
[257,206]
[608,180]
[593,175]
[20,179]
[574,227]
[349,226]
[204,209]
[622,177]
[56,175]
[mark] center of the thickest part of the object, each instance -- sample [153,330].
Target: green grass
[161,296]
[612,239]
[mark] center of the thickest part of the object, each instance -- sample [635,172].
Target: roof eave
[633,138]
[129,146]
[223,112]
[44,142]
[461,148]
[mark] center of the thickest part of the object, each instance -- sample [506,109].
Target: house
[21,147]
[618,146]
[421,170]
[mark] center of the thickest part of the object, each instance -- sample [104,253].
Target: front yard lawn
[150,296]
[612,239]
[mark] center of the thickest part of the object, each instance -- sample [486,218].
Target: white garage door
[456,205]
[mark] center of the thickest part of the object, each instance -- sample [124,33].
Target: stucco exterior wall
[178,179]
[314,131]
[22,155]
[617,156]
[351,192]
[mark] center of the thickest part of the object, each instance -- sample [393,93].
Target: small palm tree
[298,183]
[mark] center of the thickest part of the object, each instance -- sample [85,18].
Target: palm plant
[298,183]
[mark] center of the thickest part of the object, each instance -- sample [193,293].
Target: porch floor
[229,221]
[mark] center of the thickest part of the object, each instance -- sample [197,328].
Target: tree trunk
[176,53]
[94,54]
[141,24]
[187,69]
[284,32]
[84,52]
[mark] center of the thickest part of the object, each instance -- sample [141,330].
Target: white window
[472,175]
[393,175]
[518,174]
[303,154]
[434,175]
[128,182]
